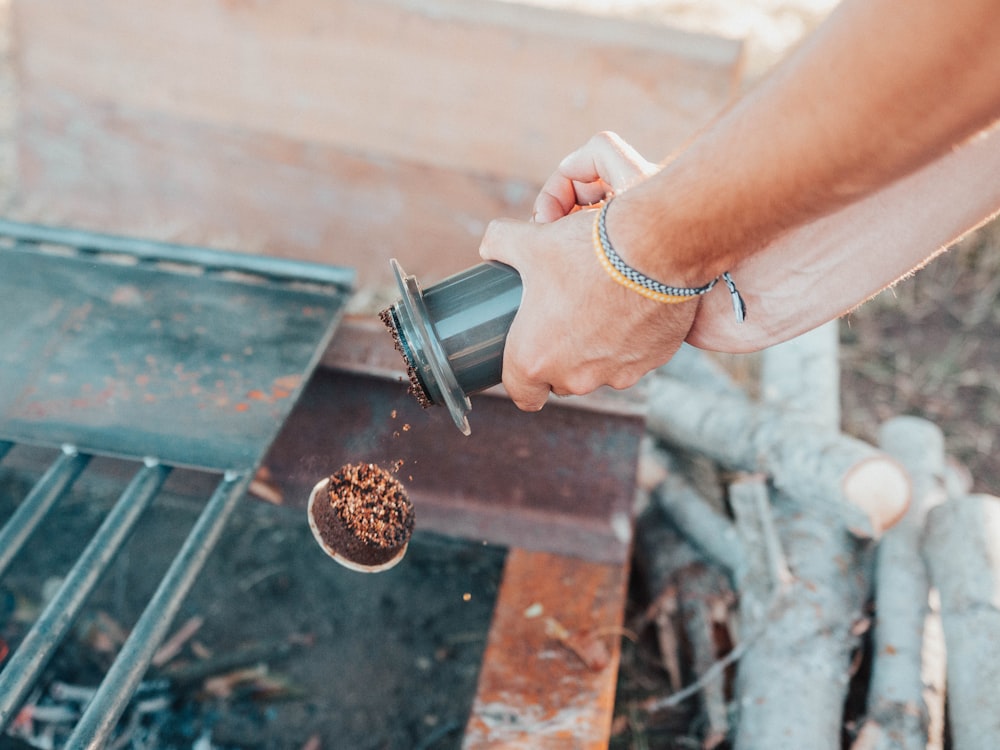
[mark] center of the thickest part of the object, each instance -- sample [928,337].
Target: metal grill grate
[164,355]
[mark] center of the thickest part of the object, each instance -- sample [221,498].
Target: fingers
[604,165]
[526,388]
[607,157]
[575,329]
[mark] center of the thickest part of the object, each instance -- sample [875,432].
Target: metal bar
[102,713]
[282,268]
[23,668]
[39,502]
[516,484]
[523,701]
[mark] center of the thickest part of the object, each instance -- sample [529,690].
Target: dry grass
[928,347]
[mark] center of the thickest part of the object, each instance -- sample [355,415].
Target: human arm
[576,328]
[822,270]
[880,90]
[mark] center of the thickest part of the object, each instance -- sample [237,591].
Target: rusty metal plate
[549,673]
[192,356]
[560,481]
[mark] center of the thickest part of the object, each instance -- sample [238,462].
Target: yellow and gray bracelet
[649,288]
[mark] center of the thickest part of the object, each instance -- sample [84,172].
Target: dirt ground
[300,647]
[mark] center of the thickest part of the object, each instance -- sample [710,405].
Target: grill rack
[166,356]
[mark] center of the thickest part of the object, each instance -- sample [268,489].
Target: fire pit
[162,355]
[181,366]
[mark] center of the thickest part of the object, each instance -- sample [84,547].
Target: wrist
[653,241]
[652,289]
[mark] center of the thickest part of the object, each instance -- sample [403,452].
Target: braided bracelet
[649,288]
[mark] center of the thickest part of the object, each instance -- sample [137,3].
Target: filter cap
[428,353]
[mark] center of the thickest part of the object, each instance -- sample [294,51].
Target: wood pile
[807,589]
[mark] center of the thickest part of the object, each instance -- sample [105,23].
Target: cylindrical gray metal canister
[452,334]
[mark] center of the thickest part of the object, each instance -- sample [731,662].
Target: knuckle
[623,380]
[579,383]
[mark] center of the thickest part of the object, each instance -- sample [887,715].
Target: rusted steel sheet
[550,668]
[561,480]
[131,348]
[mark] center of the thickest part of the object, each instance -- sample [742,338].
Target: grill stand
[166,355]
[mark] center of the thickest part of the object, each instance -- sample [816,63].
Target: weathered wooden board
[351,130]
[125,171]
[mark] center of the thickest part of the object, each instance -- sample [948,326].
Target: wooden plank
[345,132]
[84,163]
[482,87]
[534,690]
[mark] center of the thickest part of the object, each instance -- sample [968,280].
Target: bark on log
[906,692]
[962,548]
[765,572]
[867,487]
[692,365]
[793,679]
[700,524]
[805,373]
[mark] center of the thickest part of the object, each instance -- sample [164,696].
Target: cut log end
[880,487]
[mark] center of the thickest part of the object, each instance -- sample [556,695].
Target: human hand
[576,328]
[603,166]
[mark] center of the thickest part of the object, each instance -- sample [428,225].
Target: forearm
[820,271]
[879,90]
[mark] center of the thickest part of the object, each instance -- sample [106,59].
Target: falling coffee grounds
[416,389]
[363,517]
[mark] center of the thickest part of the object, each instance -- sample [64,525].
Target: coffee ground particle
[368,517]
[416,389]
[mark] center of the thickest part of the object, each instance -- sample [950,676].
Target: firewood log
[870,489]
[906,692]
[701,525]
[962,549]
[793,678]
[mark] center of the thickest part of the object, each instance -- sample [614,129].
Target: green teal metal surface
[139,349]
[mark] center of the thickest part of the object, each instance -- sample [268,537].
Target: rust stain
[87,399]
[242,406]
[256,395]
[126,295]
[533,687]
[288,382]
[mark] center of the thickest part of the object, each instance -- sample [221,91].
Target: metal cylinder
[452,334]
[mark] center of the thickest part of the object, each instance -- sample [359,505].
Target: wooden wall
[346,131]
